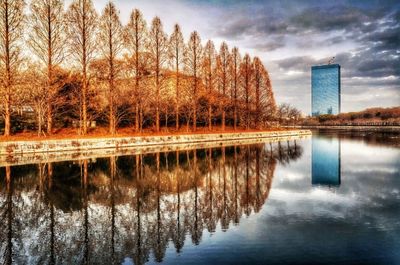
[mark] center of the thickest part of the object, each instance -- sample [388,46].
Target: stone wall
[26,152]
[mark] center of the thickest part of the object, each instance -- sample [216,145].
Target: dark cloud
[364,36]
[270,45]
[360,65]
[299,63]
[384,40]
[245,23]
[334,18]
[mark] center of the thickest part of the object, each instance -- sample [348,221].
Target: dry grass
[102,132]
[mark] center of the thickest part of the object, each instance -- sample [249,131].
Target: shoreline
[347,127]
[28,152]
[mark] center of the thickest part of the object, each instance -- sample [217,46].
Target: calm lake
[333,198]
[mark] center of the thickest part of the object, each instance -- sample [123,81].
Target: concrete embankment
[27,152]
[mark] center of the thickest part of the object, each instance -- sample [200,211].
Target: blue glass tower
[325,89]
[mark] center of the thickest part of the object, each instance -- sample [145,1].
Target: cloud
[325,19]
[290,37]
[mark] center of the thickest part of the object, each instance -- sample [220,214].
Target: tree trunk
[166,119]
[7,117]
[141,119]
[39,120]
[49,117]
[84,105]
[157,101]
[235,118]
[136,117]
[223,119]
[195,116]
[210,117]
[157,118]
[177,117]
[177,97]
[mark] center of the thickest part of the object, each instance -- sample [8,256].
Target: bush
[367,115]
[326,117]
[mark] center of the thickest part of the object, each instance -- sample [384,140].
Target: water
[330,199]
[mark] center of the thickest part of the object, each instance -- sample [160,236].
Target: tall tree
[267,107]
[193,64]
[234,73]
[224,61]
[82,25]
[158,50]
[11,26]
[270,107]
[177,59]
[135,38]
[246,73]
[258,82]
[47,41]
[209,66]
[110,38]
[31,85]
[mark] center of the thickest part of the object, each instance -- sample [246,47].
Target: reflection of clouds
[369,190]
[317,223]
[293,176]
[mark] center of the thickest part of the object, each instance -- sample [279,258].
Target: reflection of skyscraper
[326,161]
[325,89]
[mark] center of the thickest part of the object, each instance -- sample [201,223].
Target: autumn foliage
[371,117]
[82,69]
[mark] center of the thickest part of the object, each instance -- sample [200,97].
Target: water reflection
[107,210]
[326,164]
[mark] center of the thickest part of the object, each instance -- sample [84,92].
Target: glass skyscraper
[325,89]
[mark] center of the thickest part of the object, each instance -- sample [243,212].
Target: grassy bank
[101,132]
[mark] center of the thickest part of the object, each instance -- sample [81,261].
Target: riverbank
[26,152]
[346,127]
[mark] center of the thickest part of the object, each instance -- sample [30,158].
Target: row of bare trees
[98,69]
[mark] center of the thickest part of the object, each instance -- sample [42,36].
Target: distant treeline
[372,116]
[74,67]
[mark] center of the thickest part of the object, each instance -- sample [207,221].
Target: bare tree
[110,38]
[47,41]
[269,104]
[258,83]
[139,73]
[135,38]
[11,24]
[209,68]
[158,50]
[223,76]
[287,112]
[246,73]
[32,83]
[82,23]
[177,59]
[235,73]
[193,64]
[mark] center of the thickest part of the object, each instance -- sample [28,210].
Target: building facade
[325,89]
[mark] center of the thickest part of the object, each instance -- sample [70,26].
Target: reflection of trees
[106,210]
[286,152]
[372,137]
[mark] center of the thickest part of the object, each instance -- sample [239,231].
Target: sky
[291,36]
